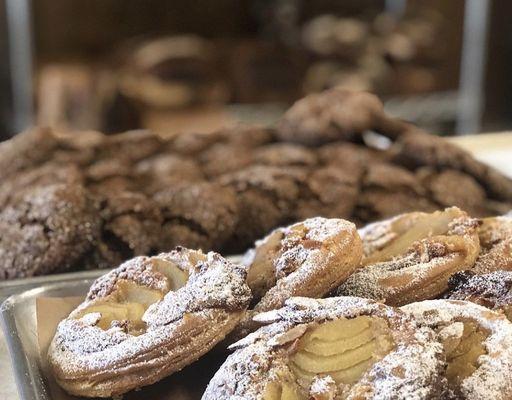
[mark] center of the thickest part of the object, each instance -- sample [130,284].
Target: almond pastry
[412,256]
[493,290]
[496,245]
[147,319]
[309,258]
[335,348]
[477,343]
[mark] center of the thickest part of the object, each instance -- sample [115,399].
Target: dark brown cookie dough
[416,148]
[26,150]
[388,190]
[163,170]
[329,192]
[284,154]
[329,116]
[49,229]
[454,188]
[131,227]
[201,215]
[132,145]
[267,197]
[222,158]
[50,173]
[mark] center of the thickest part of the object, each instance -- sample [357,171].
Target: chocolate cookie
[131,227]
[328,116]
[283,154]
[49,173]
[26,150]
[164,170]
[201,215]
[222,158]
[132,145]
[388,190]
[328,192]
[454,188]
[267,198]
[49,229]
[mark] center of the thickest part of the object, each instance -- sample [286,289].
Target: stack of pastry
[75,201]
[414,307]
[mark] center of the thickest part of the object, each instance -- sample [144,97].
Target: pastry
[48,229]
[477,344]
[173,72]
[492,290]
[309,258]
[203,215]
[335,348]
[495,235]
[147,319]
[411,257]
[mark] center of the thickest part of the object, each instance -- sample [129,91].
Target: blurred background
[196,65]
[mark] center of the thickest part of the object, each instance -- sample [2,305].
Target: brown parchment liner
[188,384]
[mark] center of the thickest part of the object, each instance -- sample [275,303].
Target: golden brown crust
[411,257]
[147,319]
[478,347]
[309,258]
[265,359]
[496,242]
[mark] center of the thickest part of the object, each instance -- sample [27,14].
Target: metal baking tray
[19,323]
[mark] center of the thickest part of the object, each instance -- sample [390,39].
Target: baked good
[477,343]
[282,154]
[26,150]
[388,190]
[203,215]
[492,290]
[345,347]
[165,170]
[131,225]
[333,115]
[322,191]
[266,197]
[13,187]
[412,256]
[454,188]
[147,319]
[495,235]
[309,258]
[48,229]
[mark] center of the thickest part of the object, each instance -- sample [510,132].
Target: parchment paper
[188,384]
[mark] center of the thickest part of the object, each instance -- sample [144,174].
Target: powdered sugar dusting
[180,328]
[410,371]
[492,379]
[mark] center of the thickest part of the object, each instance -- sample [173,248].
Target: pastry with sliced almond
[309,258]
[477,344]
[147,319]
[411,257]
[334,348]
